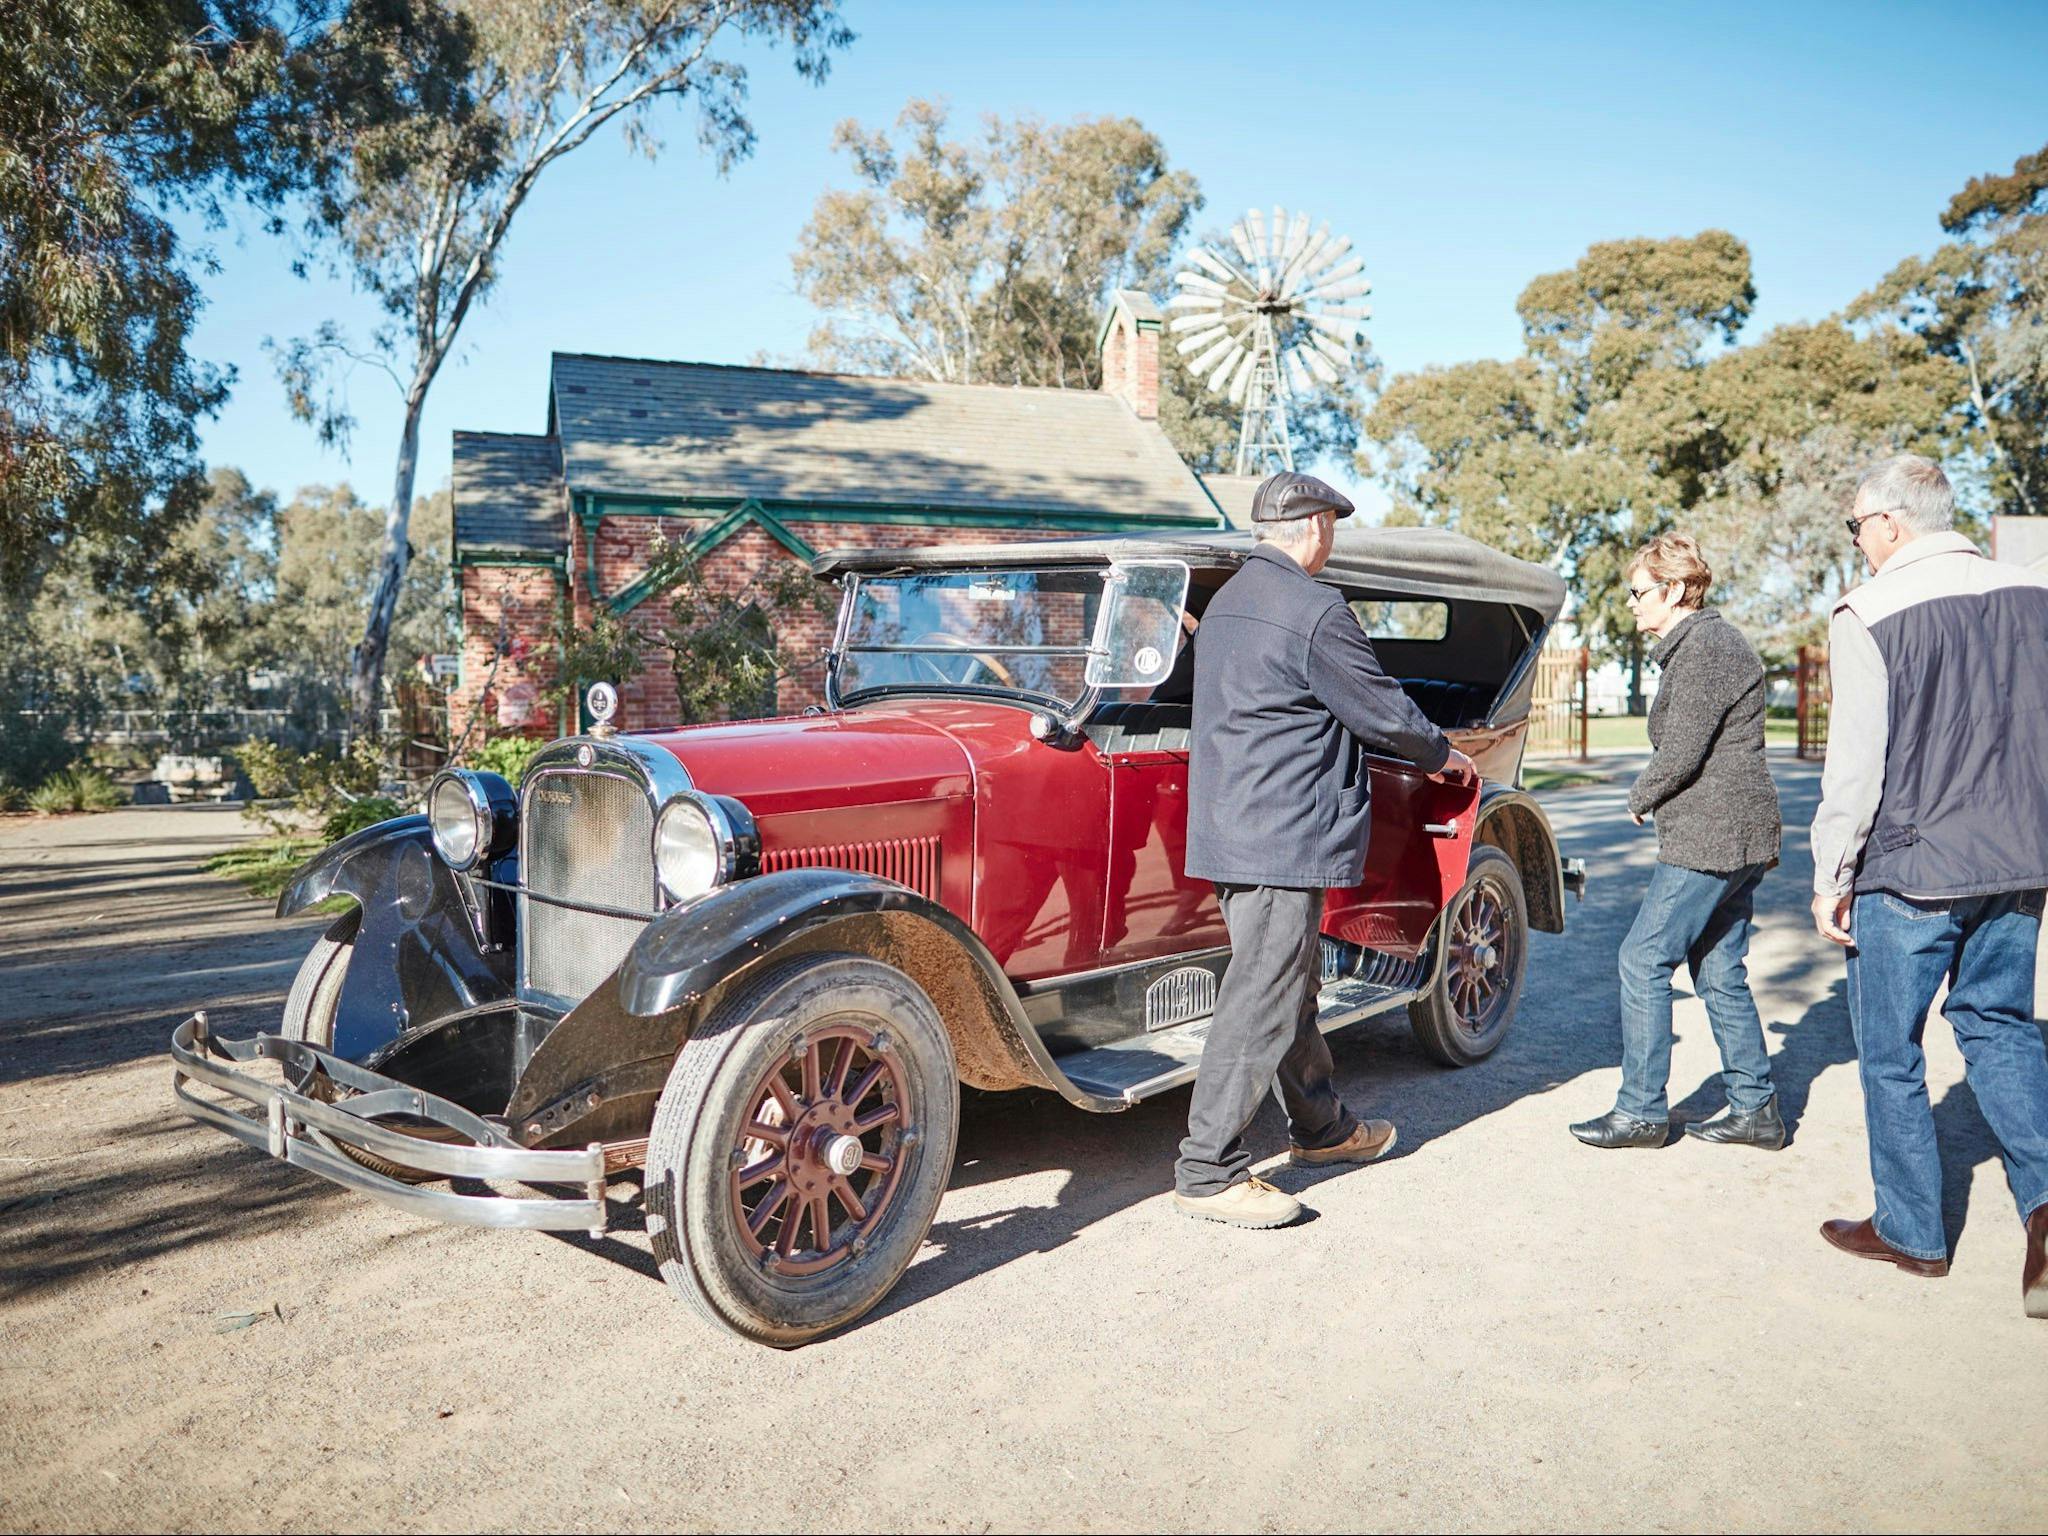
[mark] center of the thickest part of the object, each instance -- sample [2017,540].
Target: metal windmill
[1269,324]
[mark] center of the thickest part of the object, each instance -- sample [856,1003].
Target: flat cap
[1286,496]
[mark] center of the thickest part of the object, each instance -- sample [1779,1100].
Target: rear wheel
[800,1148]
[1484,935]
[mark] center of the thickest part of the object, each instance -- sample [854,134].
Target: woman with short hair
[1716,811]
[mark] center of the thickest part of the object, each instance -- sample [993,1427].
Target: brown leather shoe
[2034,1273]
[1861,1239]
[1368,1141]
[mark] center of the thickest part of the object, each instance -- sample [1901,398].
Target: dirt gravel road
[1495,1328]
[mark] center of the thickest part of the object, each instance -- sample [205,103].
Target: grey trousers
[1264,1036]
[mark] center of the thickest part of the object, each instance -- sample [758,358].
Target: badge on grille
[603,702]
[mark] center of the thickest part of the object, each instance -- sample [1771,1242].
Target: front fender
[417,952]
[617,1045]
[1512,821]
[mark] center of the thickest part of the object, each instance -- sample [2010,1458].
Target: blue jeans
[1702,921]
[1984,947]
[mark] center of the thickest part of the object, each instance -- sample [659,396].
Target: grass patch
[1557,778]
[263,868]
[1623,732]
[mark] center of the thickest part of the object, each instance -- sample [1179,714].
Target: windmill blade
[1194,301]
[1336,351]
[1241,238]
[1297,238]
[1318,364]
[1255,223]
[1201,284]
[1207,338]
[1213,355]
[1311,252]
[1350,290]
[1242,377]
[1320,270]
[1348,311]
[1197,322]
[1338,330]
[1342,270]
[1231,353]
[1297,372]
[1216,266]
[1279,235]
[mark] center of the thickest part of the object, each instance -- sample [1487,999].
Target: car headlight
[701,841]
[472,816]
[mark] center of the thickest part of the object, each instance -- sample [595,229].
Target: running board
[1135,1069]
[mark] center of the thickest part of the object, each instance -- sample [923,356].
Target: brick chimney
[1129,345]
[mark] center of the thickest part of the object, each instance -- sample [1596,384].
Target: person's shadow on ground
[1818,1039]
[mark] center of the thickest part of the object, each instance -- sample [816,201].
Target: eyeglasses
[1637,594]
[1855,524]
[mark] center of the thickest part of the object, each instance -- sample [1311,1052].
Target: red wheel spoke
[790,1107]
[811,1073]
[842,1063]
[754,1173]
[785,1240]
[764,1213]
[882,1114]
[874,1162]
[774,1135]
[847,1198]
[821,1224]
[868,1079]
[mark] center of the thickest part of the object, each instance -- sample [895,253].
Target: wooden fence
[1815,693]
[1557,712]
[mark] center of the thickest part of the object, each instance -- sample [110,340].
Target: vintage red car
[759,958]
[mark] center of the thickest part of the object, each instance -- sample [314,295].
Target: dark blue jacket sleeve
[1345,675]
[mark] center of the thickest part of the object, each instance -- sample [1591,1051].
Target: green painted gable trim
[896,513]
[747,514]
[510,557]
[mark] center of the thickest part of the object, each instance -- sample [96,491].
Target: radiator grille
[911,861]
[583,837]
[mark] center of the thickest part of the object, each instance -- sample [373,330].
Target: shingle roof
[1233,494]
[508,492]
[674,430]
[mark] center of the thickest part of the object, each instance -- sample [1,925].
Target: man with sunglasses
[1930,853]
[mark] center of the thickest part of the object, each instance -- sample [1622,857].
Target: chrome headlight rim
[493,824]
[736,847]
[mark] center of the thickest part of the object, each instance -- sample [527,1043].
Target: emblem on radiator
[1178,996]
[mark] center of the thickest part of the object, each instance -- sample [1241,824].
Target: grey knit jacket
[1715,805]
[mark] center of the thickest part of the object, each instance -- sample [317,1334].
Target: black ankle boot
[1761,1127]
[1615,1129]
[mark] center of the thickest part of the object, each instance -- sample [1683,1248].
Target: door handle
[1441,828]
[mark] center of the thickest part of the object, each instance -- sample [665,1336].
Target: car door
[1420,843]
[1151,908]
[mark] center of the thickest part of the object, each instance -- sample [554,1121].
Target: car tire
[769,1060]
[309,1016]
[1483,955]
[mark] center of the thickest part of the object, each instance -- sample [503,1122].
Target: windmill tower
[1274,322]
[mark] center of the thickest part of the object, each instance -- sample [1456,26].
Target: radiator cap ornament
[603,702]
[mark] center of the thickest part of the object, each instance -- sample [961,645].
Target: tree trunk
[366,668]
[1635,674]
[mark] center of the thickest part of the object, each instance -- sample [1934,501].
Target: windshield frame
[1068,712]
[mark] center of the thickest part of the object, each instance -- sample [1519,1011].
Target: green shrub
[56,794]
[30,754]
[95,791]
[358,814]
[12,796]
[316,785]
[507,756]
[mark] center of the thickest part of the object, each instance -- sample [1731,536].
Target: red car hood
[866,757]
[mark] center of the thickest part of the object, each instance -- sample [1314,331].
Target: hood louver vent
[911,861]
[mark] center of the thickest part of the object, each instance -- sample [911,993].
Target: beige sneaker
[1254,1203]
[1372,1140]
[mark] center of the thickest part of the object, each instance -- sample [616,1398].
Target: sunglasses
[1855,524]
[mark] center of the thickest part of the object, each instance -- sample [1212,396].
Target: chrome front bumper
[310,1134]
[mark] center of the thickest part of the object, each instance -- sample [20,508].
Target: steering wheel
[931,663]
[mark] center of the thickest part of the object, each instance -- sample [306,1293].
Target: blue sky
[1464,148]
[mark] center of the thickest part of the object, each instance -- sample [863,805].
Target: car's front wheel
[800,1147]
[1484,938]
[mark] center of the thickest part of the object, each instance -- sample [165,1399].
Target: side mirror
[1138,632]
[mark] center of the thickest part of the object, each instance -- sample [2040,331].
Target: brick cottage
[758,465]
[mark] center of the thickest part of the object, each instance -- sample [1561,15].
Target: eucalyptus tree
[419,209]
[1981,301]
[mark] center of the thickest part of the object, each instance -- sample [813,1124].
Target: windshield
[1011,632]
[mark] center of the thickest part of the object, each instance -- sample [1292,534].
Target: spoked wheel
[800,1148]
[1484,932]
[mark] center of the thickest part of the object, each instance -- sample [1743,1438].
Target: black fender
[619,1043]
[419,950]
[1512,821]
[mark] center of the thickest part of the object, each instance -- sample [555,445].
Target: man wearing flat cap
[1288,699]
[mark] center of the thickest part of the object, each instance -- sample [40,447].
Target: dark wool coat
[1288,699]
[1715,805]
